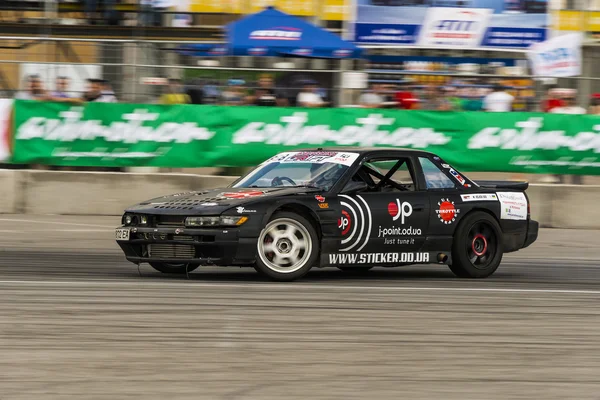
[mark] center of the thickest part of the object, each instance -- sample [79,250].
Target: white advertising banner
[557,57]
[5,112]
[454,27]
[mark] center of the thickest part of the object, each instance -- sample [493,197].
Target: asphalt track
[78,322]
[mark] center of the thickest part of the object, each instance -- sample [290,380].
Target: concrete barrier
[541,207]
[105,193]
[9,190]
[575,206]
[102,193]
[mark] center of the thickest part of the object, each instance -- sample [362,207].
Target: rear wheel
[477,248]
[167,268]
[287,247]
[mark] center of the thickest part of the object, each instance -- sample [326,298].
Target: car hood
[214,201]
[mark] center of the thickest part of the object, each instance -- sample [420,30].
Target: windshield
[319,169]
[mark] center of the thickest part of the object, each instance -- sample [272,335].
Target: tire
[477,247]
[167,268]
[287,247]
[356,270]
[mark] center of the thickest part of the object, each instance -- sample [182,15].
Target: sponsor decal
[344,222]
[360,221]
[400,210]
[209,204]
[447,211]
[323,205]
[302,52]
[241,210]
[315,157]
[526,135]
[398,231]
[377,258]
[342,53]
[258,51]
[446,166]
[370,130]
[454,26]
[457,176]
[513,205]
[310,155]
[129,129]
[320,198]
[479,197]
[557,57]
[398,241]
[218,51]
[277,33]
[241,195]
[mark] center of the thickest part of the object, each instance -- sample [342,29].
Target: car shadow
[404,274]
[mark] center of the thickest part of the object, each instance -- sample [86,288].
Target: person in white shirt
[107,95]
[371,99]
[569,106]
[309,97]
[498,100]
[34,89]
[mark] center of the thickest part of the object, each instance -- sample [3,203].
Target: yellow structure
[329,10]
[579,21]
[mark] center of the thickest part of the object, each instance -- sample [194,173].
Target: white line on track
[265,286]
[34,221]
[31,230]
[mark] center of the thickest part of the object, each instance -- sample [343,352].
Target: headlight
[202,221]
[227,220]
[215,221]
[135,220]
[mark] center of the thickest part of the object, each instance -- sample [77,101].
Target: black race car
[347,208]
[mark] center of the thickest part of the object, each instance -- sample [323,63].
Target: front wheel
[477,248]
[167,268]
[287,247]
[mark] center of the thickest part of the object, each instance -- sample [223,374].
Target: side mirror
[354,186]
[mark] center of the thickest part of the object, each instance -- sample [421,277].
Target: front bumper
[533,228]
[215,246]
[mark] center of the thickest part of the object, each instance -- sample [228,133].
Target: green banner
[110,135]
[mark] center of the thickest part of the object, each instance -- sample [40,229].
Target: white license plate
[122,234]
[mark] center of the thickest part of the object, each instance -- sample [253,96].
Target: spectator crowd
[309,93]
[97,90]
[496,98]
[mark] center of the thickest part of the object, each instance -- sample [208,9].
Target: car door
[444,197]
[385,222]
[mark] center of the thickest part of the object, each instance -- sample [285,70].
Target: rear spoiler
[504,185]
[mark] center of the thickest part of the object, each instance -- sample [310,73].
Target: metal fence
[136,69]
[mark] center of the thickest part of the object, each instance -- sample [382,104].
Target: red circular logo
[344,222]
[393,209]
[447,211]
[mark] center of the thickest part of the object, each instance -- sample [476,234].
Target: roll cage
[362,172]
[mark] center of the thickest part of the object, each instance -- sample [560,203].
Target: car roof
[370,150]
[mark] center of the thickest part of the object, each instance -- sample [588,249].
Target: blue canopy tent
[274,33]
